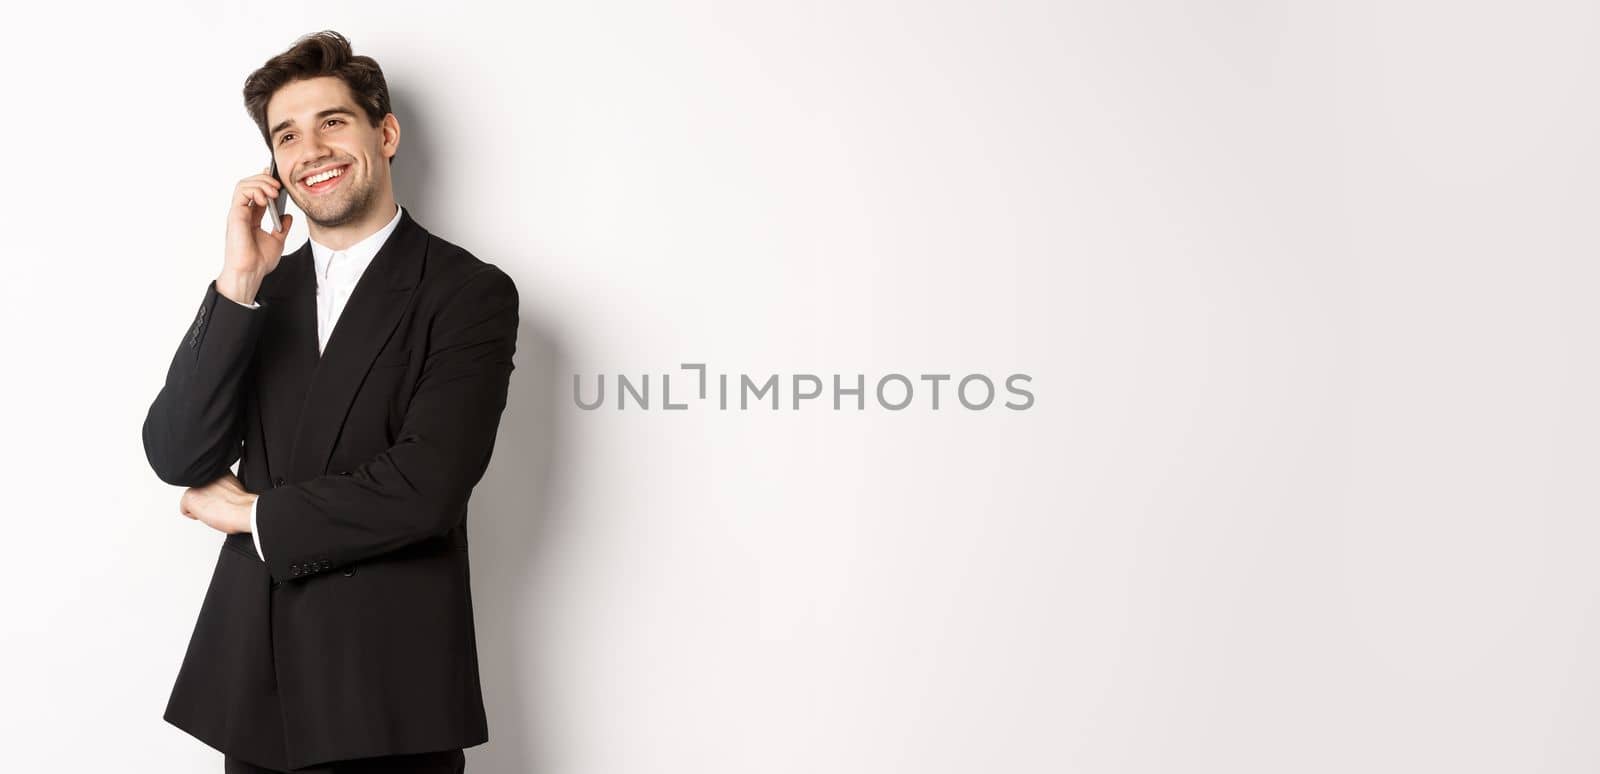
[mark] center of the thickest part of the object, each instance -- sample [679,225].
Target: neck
[342,236]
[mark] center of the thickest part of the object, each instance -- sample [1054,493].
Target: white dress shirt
[337,273]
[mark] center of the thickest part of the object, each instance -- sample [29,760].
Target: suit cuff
[251,305]
[254,535]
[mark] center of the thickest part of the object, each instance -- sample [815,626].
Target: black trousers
[442,762]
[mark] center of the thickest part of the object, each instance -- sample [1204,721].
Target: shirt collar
[360,253]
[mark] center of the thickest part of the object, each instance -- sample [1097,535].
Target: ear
[391,135]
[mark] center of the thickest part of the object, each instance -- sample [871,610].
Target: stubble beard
[354,204]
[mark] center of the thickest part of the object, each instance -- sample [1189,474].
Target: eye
[336,120]
[284,138]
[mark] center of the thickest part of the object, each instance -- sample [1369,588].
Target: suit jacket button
[277,482]
[344,472]
[349,571]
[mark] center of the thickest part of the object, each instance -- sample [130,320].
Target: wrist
[242,520]
[239,286]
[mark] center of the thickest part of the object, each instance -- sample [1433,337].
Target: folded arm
[194,429]
[418,488]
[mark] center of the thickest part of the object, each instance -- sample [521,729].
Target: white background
[1306,292]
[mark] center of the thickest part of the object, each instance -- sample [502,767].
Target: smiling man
[358,381]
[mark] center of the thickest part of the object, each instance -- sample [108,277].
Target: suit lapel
[376,304]
[287,353]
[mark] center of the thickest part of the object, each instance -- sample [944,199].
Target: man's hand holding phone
[251,252]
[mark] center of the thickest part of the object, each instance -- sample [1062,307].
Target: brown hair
[312,56]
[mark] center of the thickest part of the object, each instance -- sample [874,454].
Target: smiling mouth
[329,183]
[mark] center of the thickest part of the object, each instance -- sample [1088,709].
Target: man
[359,383]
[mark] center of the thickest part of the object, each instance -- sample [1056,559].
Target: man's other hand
[223,504]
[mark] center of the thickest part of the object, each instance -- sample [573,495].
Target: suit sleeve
[418,488]
[194,429]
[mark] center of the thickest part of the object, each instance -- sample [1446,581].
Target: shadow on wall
[510,530]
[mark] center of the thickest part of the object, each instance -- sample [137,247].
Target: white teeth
[314,179]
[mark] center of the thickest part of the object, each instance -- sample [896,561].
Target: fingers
[256,193]
[267,180]
[254,198]
[256,190]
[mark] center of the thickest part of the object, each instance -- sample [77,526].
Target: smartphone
[276,205]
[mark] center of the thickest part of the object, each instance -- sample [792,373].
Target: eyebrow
[321,114]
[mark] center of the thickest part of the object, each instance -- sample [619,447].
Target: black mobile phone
[276,205]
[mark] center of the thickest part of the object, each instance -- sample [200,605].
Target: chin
[336,212]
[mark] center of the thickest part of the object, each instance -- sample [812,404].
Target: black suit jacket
[355,638]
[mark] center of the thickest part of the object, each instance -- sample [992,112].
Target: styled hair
[316,55]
